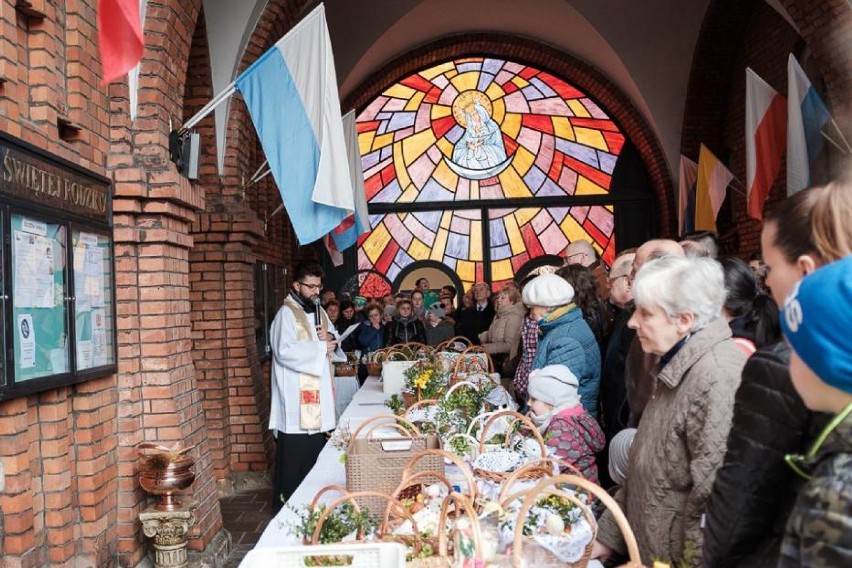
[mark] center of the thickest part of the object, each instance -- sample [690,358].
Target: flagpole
[208,108]
[840,132]
[834,143]
[254,177]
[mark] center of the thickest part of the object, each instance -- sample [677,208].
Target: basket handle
[411,480]
[351,497]
[315,501]
[451,341]
[546,487]
[518,416]
[538,465]
[609,503]
[461,502]
[396,419]
[478,419]
[462,362]
[453,388]
[419,403]
[468,476]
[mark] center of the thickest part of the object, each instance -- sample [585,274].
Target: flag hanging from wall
[806,115]
[766,140]
[346,234]
[712,181]
[291,95]
[687,175]
[120,40]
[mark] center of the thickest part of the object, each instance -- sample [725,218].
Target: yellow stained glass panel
[399,91]
[525,214]
[524,159]
[439,246]
[415,101]
[416,144]
[572,229]
[590,137]
[433,72]
[365,142]
[418,250]
[513,185]
[445,176]
[562,127]
[516,241]
[399,167]
[409,194]
[474,189]
[383,140]
[446,219]
[476,241]
[465,81]
[445,146]
[466,270]
[376,242]
[498,110]
[578,108]
[440,111]
[495,92]
[587,187]
[511,125]
[520,81]
[502,270]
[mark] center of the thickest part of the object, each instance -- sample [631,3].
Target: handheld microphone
[316,302]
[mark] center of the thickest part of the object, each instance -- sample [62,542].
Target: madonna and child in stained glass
[477,129]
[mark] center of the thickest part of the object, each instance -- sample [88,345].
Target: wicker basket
[472,360]
[376,464]
[549,486]
[497,476]
[345,370]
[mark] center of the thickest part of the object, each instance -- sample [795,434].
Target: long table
[329,469]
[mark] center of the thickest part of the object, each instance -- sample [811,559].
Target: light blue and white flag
[291,95]
[346,234]
[806,115]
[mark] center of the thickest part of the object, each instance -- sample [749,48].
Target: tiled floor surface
[245,515]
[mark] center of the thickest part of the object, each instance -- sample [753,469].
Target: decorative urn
[164,472]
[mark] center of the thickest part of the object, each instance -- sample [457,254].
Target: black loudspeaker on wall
[184,152]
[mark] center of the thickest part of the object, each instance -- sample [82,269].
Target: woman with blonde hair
[500,340]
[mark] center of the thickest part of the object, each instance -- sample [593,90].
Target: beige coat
[679,446]
[505,330]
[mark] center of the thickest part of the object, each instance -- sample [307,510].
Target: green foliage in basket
[460,446]
[343,521]
[428,377]
[396,404]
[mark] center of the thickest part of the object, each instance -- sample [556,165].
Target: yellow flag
[713,180]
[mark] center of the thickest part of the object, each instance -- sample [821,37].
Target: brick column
[223,326]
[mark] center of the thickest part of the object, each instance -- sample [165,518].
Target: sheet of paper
[99,347]
[26,339]
[84,354]
[34,258]
[348,331]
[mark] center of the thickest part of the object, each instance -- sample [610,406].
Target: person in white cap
[563,422]
[564,336]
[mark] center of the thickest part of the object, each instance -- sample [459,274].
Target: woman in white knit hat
[563,422]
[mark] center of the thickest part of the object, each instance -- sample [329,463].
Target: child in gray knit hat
[563,422]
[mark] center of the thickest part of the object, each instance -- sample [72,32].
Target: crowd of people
[710,394]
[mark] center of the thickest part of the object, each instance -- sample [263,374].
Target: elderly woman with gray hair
[681,438]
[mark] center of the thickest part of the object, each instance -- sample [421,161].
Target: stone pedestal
[168,530]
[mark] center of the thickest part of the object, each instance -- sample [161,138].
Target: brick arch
[561,64]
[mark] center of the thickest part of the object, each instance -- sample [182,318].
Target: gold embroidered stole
[310,411]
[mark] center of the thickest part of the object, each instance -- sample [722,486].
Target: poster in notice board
[93,321]
[39,331]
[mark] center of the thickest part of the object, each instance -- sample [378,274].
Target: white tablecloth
[329,469]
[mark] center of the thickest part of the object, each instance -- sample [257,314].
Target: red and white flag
[119,37]
[766,140]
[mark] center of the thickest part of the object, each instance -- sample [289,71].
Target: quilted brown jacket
[678,448]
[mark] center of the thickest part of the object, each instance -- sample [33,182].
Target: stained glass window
[467,133]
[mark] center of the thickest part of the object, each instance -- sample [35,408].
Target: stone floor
[245,515]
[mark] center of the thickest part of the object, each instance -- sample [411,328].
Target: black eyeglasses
[317,287]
